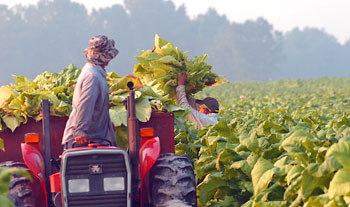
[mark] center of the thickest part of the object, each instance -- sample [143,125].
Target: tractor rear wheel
[173,182]
[21,189]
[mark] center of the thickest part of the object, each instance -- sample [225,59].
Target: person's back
[90,101]
[89,118]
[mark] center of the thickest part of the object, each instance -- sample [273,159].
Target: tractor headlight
[78,185]
[113,183]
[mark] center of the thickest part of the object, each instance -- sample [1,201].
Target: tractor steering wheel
[91,140]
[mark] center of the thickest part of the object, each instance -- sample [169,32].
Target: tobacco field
[282,143]
[278,143]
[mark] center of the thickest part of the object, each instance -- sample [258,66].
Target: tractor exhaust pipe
[133,144]
[45,110]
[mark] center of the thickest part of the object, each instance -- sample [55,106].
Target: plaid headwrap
[101,50]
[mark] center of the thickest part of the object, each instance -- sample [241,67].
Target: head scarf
[101,50]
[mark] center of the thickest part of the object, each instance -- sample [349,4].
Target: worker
[203,112]
[90,106]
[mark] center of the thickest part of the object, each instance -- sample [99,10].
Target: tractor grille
[112,200]
[79,165]
[112,164]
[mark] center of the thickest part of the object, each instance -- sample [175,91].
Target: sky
[332,16]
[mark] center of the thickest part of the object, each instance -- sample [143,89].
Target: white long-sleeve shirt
[195,116]
[90,107]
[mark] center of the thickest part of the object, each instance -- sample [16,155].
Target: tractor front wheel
[21,189]
[173,182]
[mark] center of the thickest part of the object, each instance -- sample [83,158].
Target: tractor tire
[21,189]
[172,182]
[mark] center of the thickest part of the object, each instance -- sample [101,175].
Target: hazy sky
[331,15]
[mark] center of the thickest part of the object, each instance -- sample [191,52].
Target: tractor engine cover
[95,176]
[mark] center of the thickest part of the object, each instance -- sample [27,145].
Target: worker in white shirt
[203,112]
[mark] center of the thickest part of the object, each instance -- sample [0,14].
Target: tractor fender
[34,160]
[149,153]
[35,163]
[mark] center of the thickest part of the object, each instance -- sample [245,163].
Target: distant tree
[54,33]
[248,51]
[115,23]
[206,28]
[47,36]
[346,57]
[63,33]
[311,53]
[11,25]
[149,17]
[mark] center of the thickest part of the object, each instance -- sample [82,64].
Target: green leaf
[282,162]
[118,115]
[266,127]
[271,204]
[6,95]
[143,109]
[159,42]
[2,145]
[250,142]
[293,173]
[341,152]
[243,166]
[148,91]
[202,170]
[248,204]
[212,143]
[2,126]
[211,183]
[295,145]
[340,184]
[319,200]
[63,109]
[5,201]
[330,165]
[309,183]
[168,59]
[59,89]
[11,122]
[121,83]
[262,175]
[121,134]
[223,129]
[5,178]
[228,201]
[6,172]
[226,156]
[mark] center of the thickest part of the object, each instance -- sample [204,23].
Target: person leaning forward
[203,112]
[90,106]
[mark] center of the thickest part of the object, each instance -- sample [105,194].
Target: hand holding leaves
[181,78]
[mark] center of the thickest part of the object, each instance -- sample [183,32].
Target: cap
[211,103]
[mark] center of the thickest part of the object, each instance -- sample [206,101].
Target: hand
[80,140]
[181,79]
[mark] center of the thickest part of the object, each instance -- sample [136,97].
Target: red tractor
[147,174]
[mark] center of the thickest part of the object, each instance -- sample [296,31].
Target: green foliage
[283,143]
[2,145]
[21,100]
[159,67]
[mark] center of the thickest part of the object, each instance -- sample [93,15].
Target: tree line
[52,34]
